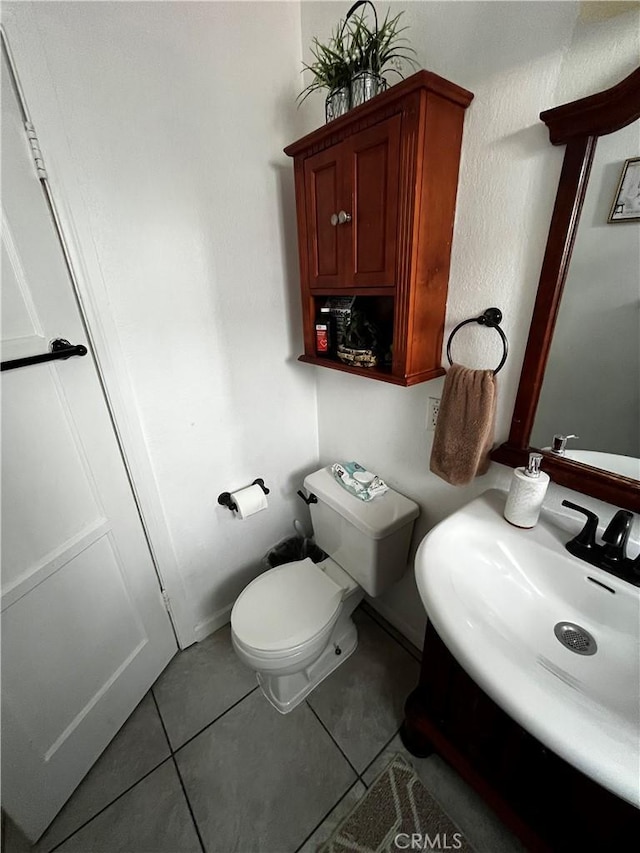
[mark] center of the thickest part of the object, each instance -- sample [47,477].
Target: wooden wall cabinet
[375,199]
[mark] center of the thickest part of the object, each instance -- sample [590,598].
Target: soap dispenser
[526,494]
[559,445]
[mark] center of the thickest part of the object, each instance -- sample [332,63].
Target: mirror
[581,373]
[591,386]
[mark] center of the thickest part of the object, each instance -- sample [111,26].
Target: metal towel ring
[492,318]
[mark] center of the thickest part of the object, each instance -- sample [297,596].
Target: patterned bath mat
[397,813]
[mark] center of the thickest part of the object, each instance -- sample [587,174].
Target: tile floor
[206,764]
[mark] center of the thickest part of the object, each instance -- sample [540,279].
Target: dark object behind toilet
[291,549]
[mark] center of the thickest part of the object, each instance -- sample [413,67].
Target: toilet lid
[285,607]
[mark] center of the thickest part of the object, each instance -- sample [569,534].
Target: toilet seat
[285,608]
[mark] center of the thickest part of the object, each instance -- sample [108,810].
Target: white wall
[518,58]
[164,125]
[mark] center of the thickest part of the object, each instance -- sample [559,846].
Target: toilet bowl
[292,625]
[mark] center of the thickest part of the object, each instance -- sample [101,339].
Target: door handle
[60,348]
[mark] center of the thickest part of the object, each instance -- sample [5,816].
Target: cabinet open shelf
[381,373]
[378,306]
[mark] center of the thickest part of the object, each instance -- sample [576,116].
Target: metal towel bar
[60,348]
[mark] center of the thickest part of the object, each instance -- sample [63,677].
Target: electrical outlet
[432,413]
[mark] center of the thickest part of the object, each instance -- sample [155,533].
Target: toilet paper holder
[225,498]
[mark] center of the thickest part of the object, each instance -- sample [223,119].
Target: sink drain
[575,638]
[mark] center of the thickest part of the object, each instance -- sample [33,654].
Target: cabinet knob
[340,218]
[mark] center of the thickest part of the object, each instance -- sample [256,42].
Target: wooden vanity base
[541,798]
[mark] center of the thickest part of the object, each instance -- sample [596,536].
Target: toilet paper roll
[249,501]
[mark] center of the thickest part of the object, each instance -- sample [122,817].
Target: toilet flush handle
[312,499]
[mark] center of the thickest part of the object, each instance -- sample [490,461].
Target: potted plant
[374,51]
[331,70]
[351,65]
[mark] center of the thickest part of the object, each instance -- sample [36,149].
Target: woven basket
[357,357]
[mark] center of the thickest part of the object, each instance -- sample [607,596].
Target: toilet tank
[369,539]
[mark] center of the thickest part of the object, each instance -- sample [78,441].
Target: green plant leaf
[354,47]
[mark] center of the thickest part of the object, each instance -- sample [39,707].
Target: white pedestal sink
[495,592]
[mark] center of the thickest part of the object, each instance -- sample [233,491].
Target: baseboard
[219,618]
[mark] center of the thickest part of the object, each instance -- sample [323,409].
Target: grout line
[175,764]
[164,728]
[359,779]
[115,800]
[170,756]
[188,801]
[377,756]
[215,720]
[333,807]
[381,622]
[344,755]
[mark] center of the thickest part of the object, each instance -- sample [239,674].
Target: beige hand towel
[464,430]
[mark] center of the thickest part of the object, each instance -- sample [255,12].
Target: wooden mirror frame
[578,126]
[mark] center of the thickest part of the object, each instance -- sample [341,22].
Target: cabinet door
[373,171]
[323,175]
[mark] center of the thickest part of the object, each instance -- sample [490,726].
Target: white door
[84,628]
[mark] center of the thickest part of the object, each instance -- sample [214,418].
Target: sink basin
[627,466]
[495,593]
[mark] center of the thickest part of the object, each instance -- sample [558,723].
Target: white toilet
[293,624]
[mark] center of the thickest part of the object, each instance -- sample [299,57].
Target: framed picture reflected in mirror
[626,204]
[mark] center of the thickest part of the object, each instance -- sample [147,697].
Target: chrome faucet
[612,554]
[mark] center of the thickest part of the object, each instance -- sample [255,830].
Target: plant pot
[337,103]
[366,85]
